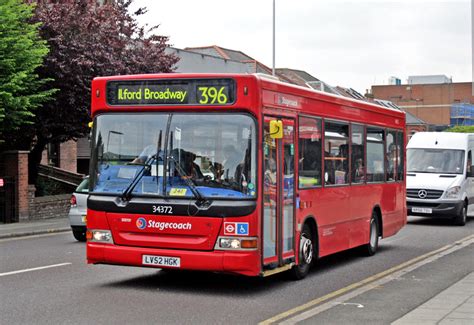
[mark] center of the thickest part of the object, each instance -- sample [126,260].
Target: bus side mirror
[276,129]
[90,125]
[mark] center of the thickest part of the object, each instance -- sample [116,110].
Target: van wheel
[371,247]
[461,219]
[306,254]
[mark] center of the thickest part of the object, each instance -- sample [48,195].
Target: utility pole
[273,66]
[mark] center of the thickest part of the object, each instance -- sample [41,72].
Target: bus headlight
[453,192]
[236,243]
[99,236]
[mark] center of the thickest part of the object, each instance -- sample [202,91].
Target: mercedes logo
[422,194]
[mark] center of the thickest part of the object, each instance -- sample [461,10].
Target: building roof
[254,66]
[195,62]
[413,120]
[351,93]
[297,77]
[221,52]
[429,79]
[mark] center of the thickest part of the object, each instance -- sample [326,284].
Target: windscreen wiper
[201,200]
[146,168]
[136,179]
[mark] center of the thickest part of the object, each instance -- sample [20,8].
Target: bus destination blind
[171,92]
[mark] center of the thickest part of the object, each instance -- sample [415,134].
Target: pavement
[29,228]
[454,305]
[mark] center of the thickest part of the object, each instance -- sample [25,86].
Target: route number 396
[212,95]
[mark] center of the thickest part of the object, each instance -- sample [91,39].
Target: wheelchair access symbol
[236,228]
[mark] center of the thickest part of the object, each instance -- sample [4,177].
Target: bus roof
[266,82]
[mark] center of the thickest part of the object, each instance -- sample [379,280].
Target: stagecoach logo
[422,194]
[286,101]
[141,223]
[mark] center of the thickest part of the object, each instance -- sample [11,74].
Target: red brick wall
[431,103]
[432,115]
[412,129]
[15,164]
[68,156]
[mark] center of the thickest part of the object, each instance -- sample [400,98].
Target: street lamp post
[108,139]
[273,65]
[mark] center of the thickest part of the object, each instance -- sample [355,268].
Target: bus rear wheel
[306,254]
[371,247]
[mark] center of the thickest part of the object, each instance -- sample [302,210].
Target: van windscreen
[436,161]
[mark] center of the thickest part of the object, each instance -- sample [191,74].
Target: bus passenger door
[278,195]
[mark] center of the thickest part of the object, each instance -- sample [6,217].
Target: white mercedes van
[440,180]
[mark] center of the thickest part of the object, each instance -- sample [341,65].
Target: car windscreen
[83,186]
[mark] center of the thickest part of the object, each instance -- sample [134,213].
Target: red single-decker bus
[238,173]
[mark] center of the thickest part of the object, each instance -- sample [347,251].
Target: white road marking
[34,269]
[349,304]
[316,306]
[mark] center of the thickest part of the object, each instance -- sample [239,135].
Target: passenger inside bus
[146,153]
[186,159]
[150,150]
[391,162]
[359,173]
[270,171]
[231,162]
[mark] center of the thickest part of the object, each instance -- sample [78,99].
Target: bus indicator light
[248,243]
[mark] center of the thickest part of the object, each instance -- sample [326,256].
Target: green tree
[87,40]
[21,53]
[461,129]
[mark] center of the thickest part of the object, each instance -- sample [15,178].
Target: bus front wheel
[306,254]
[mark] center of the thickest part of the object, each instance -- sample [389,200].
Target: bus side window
[309,160]
[400,155]
[336,141]
[375,154]
[358,157]
[390,155]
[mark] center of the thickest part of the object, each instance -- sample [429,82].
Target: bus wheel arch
[308,248]
[378,211]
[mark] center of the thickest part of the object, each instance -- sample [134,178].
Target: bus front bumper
[238,262]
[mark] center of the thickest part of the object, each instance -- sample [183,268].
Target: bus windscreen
[179,155]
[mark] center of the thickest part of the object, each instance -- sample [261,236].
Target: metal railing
[60,175]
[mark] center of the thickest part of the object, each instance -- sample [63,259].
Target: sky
[349,43]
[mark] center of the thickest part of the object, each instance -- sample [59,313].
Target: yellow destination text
[147,94]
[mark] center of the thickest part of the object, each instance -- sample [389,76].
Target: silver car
[78,211]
